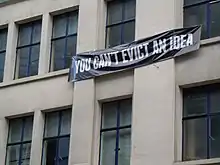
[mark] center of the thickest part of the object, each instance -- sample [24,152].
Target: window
[19,141]
[120,27]
[201,120]
[116,133]
[64,39]
[205,13]
[56,138]
[28,49]
[3,42]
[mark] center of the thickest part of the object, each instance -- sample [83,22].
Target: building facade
[161,114]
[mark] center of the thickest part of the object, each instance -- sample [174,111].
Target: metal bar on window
[63,37]
[2,51]
[65,50]
[57,141]
[22,136]
[120,23]
[30,50]
[208,126]
[17,143]
[56,137]
[115,128]
[29,45]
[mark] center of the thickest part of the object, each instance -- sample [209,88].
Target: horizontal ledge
[35,78]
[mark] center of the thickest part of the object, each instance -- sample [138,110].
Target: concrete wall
[155,89]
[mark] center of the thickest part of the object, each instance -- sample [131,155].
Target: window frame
[66,36]
[57,137]
[207,90]
[117,129]
[122,22]
[21,142]
[30,46]
[207,14]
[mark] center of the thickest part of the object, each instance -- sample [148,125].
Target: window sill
[209,41]
[35,78]
[199,162]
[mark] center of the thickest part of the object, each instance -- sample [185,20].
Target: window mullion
[117,134]
[208,126]
[21,145]
[57,157]
[30,49]
[122,25]
[65,50]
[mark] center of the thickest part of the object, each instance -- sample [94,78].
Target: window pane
[52,122]
[114,12]
[2,64]
[215,101]
[189,2]
[215,23]
[64,147]
[71,50]
[195,104]
[13,154]
[215,136]
[195,139]
[24,34]
[3,39]
[23,55]
[196,16]
[58,50]
[49,152]
[15,130]
[28,129]
[36,32]
[59,26]
[26,152]
[73,23]
[109,118]
[114,36]
[65,122]
[130,9]
[125,146]
[63,162]
[129,32]
[125,112]
[34,60]
[108,148]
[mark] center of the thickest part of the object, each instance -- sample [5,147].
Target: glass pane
[63,162]
[114,12]
[25,162]
[52,124]
[65,122]
[196,16]
[13,154]
[15,130]
[71,50]
[215,23]
[3,39]
[35,51]
[36,32]
[195,104]
[129,32]
[23,55]
[114,36]
[64,147]
[215,136]
[58,51]
[24,34]
[195,139]
[109,115]
[189,2]
[2,65]
[215,101]
[60,25]
[125,112]
[130,7]
[26,151]
[125,147]
[73,23]
[49,152]
[108,148]
[28,128]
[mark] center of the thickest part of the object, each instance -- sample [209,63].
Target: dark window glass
[120,27]
[201,119]
[56,138]
[28,49]
[116,133]
[64,40]
[205,13]
[19,141]
[3,42]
